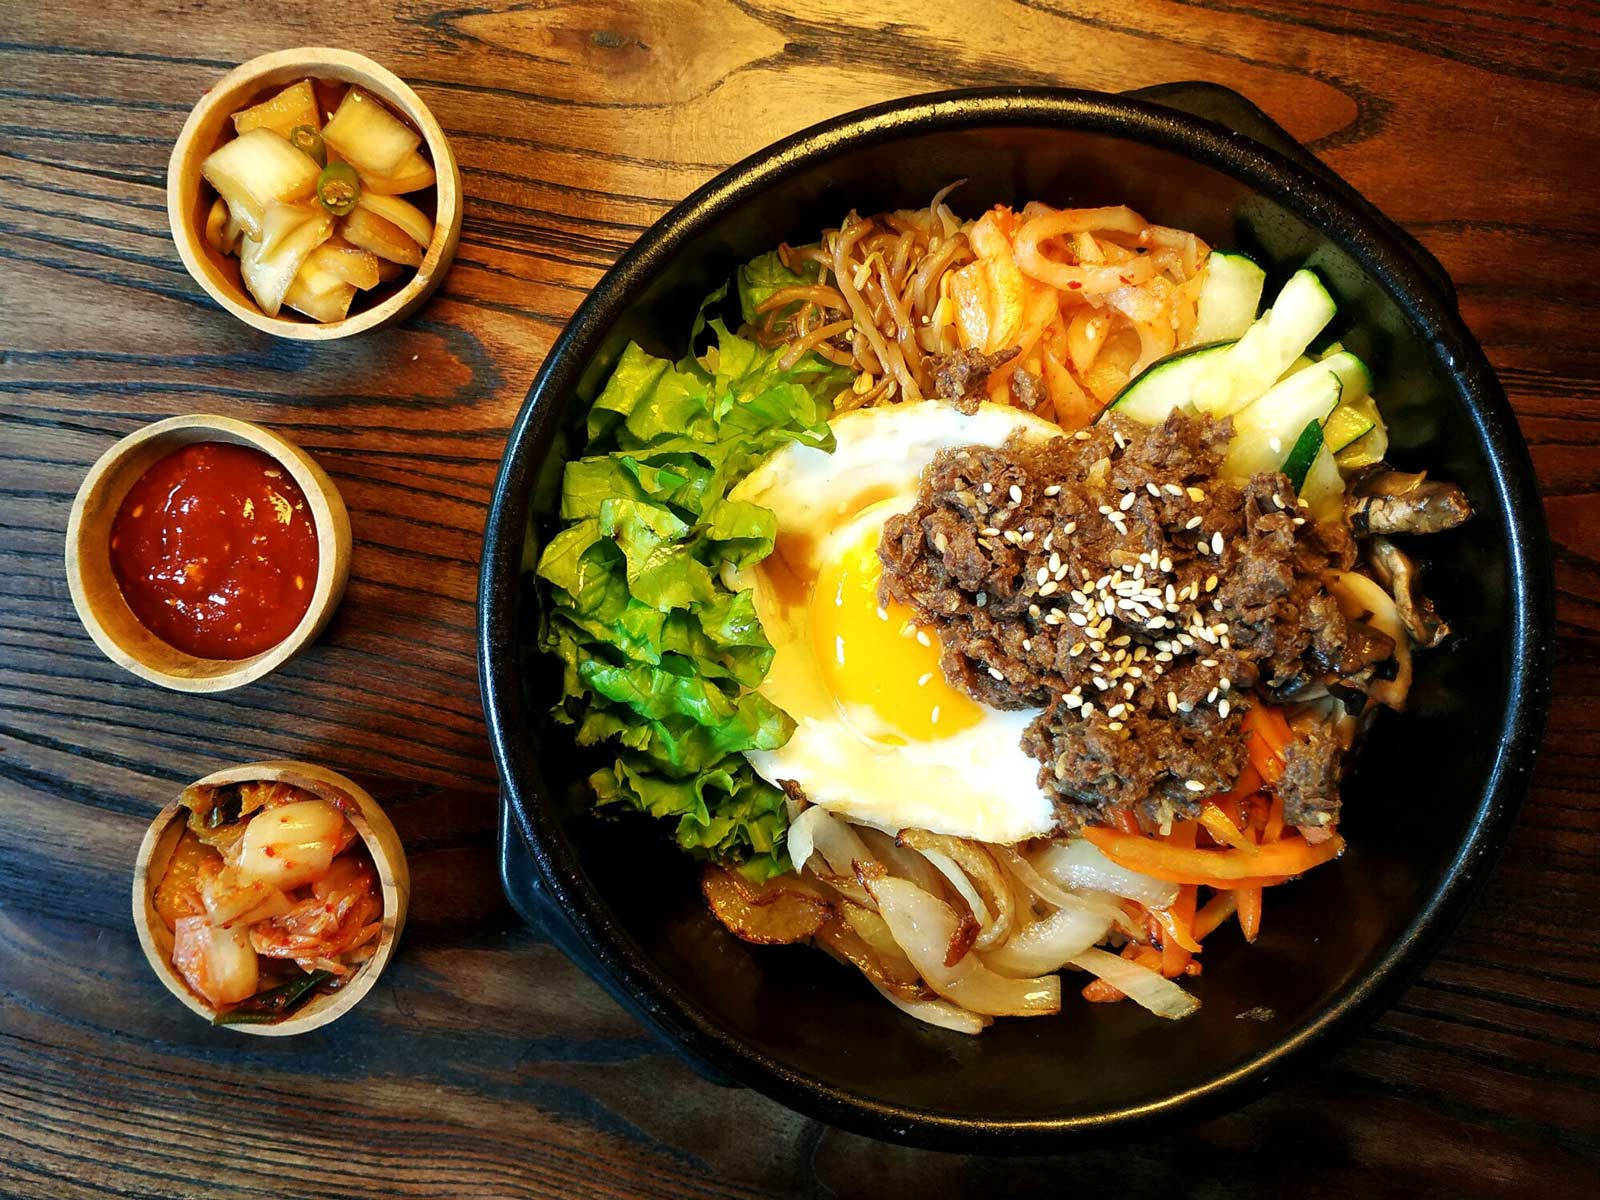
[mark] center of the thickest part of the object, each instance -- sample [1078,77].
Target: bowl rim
[95,506]
[1385,261]
[182,170]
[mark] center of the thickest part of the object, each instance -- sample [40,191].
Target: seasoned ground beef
[1112,579]
[960,376]
[1310,783]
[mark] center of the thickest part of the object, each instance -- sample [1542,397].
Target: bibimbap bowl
[1430,799]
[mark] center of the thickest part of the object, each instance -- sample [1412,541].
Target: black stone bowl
[1434,791]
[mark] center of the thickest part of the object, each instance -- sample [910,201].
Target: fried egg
[880,736]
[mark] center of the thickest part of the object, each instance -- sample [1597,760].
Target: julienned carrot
[1267,735]
[1216,868]
[1269,722]
[1274,829]
[1217,910]
[1249,902]
[1178,944]
[1248,783]
[1224,827]
[1124,819]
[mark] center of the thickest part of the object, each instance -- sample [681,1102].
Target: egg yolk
[876,656]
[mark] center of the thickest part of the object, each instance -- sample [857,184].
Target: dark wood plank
[485,1064]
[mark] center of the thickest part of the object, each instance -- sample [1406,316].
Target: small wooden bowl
[99,601]
[394,880]
[211,123]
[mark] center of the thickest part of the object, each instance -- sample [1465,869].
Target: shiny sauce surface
[215,551]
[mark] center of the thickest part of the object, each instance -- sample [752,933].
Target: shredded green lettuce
[760,277]
[659,656]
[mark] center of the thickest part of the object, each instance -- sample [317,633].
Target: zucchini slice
[1166,384]
[1230,297]
[1268,348]
[1265,432]
[1305,450]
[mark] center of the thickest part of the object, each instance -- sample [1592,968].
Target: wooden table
[484,1064]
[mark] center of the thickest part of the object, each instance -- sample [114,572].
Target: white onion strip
[937,1012]
[926,928]
[1048,945]
[1079,864]
[1147,988]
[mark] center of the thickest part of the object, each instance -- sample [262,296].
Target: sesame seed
[1070,528]
[1153,490]
[1216,543]
[1053,490]
[1222,709]
[1078,597]
[1083,435]
[1299,520]
[1102,684]
[1077,649]
[923,639]
[1278,500]
[1074,701]
[1211,696]
[997,673]
[1211,584]
[988,487]
[982,598]
[1055,563]
[1203,546]
[1172,701]
[1105,510]
[1078,619]
[1166,565]
[1208,662]
[1033,611]
[990,531]
[1048,588]
[1122,442]
[1194,785]
[1044,573]
[1173,489]
[1028,537]
[1116,710]
[1016,494]
[1224,684]
[1114,725]
[1126,502]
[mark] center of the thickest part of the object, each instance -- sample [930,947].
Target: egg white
[974,783]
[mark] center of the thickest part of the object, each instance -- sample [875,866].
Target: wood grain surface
[484,1064]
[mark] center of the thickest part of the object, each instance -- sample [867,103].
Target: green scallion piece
[273,1004]
[338,188]
[309,142]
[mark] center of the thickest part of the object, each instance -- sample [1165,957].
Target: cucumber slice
[1306,447]
[1268,348]
[1230,297]
[1265,432]
[1166,384]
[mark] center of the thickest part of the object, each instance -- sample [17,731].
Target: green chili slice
[338,188]
[309,142]
[273,1004]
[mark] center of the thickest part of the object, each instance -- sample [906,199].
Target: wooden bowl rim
[92,536]
[375,829]
[392,90]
